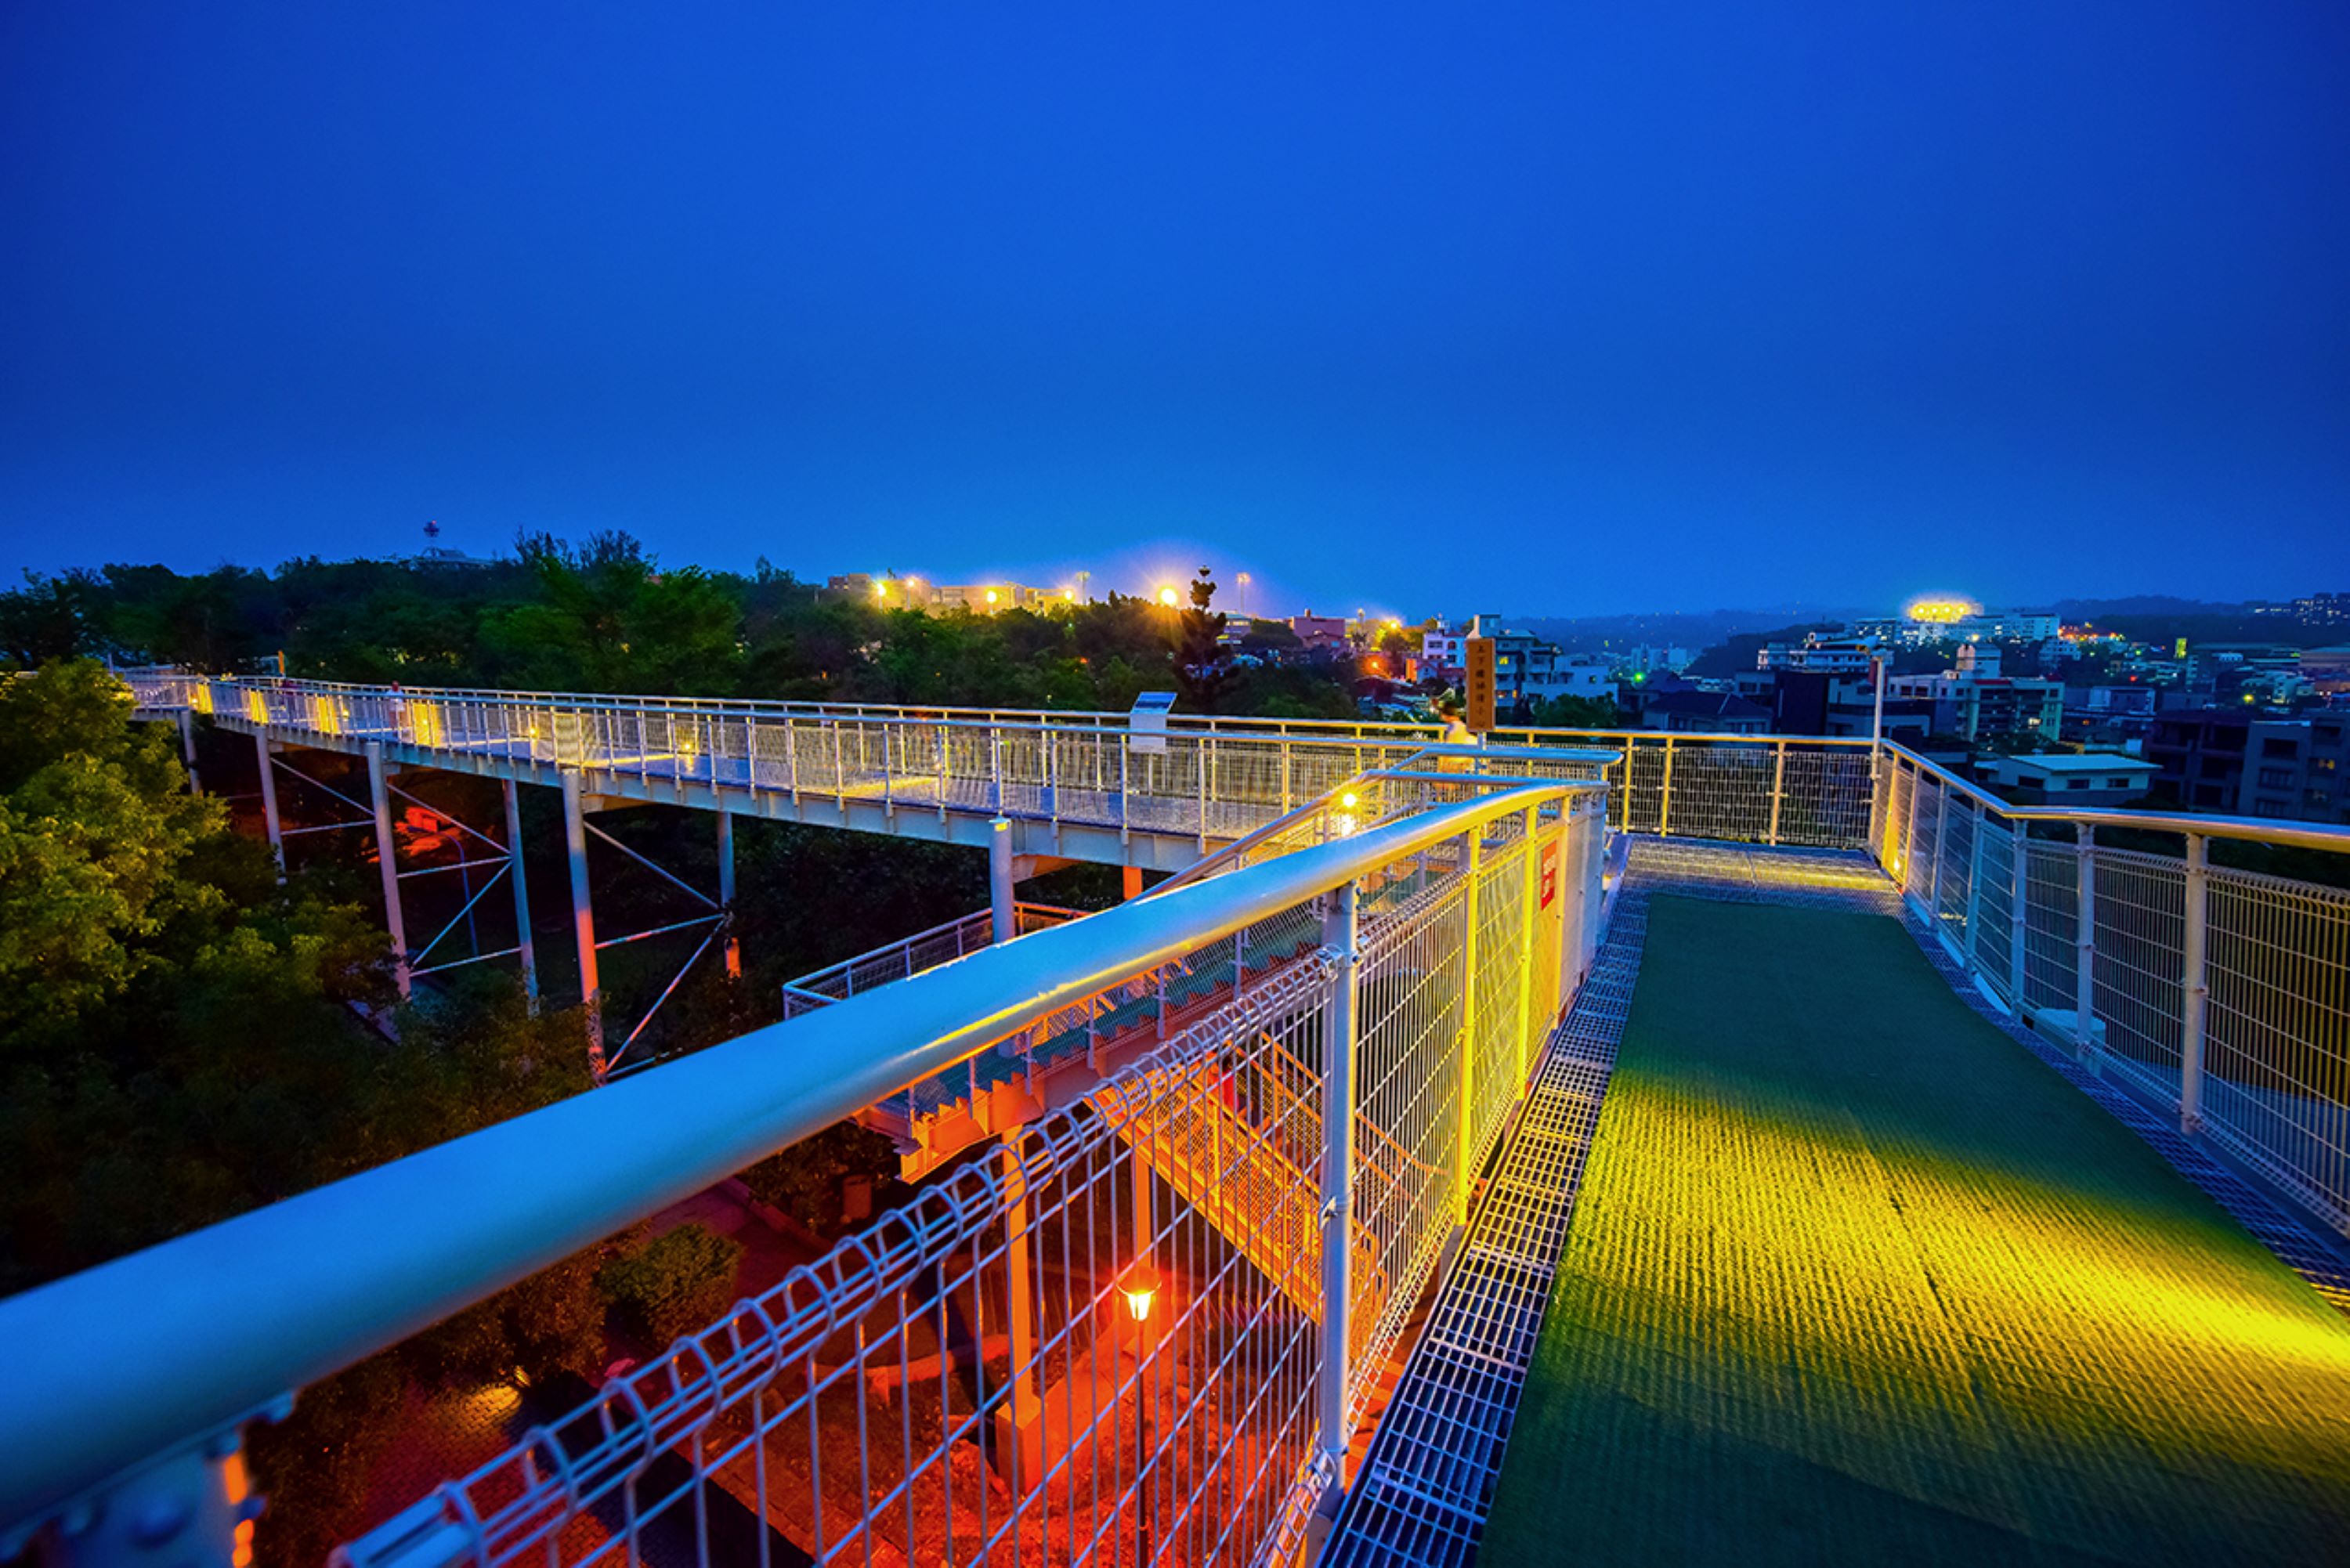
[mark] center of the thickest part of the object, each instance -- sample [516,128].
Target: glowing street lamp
[1168,597]
[992,595]
[1141,1288]
[881,589]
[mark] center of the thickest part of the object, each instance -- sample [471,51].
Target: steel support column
[521,894]
[726,893]
[387,851]
[2195,993]
[1339,937]
[583,921]
[188,750]
[999,879]
[269,801]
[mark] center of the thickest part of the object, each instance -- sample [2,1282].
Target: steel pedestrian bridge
[1244,1199]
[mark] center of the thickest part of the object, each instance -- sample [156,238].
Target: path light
[1142,1287]
[1348,800]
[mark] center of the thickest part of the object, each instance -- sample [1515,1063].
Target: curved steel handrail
[186,1337]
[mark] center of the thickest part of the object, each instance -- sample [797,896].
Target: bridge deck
[1854,1277]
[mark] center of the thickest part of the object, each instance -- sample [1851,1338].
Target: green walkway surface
[1854,1279]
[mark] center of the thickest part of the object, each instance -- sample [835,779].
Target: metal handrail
[186,1339]
[2265,830]
[2300,834]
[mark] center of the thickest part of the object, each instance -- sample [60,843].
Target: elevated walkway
[1858,1273]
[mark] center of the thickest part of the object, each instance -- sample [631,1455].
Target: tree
[1203,670]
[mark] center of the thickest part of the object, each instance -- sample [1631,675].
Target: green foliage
[805,1181]
[1576,713]
[315,1467]
[673,1284]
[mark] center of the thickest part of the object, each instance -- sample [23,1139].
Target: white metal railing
[1212,778]
[972,1378]
[910,956]
[1208,784]
[2222,994]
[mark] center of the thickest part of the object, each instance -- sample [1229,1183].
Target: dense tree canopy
[605,615]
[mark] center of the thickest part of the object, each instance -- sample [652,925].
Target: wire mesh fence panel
[1639,802]
[2051,925]
[1954,875]
[1900,783]
[2276,1085]
[2139,973]
[1411,991]
[1080,1347]
[1823,796]
[1994,930]
[1722,789]
[1501,1010]
[1927,797]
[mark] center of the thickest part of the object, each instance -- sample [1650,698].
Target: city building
[2070,778]
[1704,713]
[1443,654]
[1646,660]
[1832,652]
[2325,671]
[2109,714]
[2248,764]
[1526,669]
[1977,706]
[1320,633]
[1933,620]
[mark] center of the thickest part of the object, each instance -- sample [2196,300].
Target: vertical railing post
[1201,758]
[1282,743]
[269,822]
[946,769]
[1020,1317]
[1880,776]
[1125,811]
[521,895]
[1530,890]
[1338,936]
[1974,882]
[2019,911]
[1778,787]
[387,851]
[2085,949]
[1665,795]
[2196,988]
[583,921]
[839,772]
[1934,868]
[1908,819]
[994,768]
[1472,856]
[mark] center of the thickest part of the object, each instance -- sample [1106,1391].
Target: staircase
[1243,1146]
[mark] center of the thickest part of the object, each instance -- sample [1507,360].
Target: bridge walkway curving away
[1855,1276]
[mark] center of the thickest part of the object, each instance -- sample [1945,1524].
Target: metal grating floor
[1427,1483]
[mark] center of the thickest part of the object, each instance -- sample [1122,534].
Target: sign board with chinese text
[1481,685]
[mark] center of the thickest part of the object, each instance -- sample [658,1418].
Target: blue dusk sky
[1559,308]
